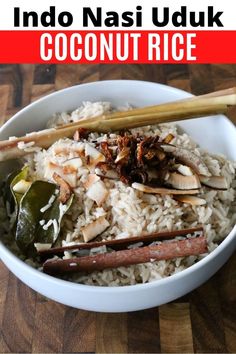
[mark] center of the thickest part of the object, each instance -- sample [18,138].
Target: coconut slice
[70,176]
[71,179]
[184,170]
[164,191]
[188,158]
[22,186]
[178,181]
[95,156]
[110,174]
[95,228]
[190,199]
[92,178]
[72,165]
[50,168]
[98,192]
[64,149]
[216,182]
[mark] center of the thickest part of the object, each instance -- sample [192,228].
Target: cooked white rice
[131,212]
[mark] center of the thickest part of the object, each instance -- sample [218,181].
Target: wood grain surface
[203,321]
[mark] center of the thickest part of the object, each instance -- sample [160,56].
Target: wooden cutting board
[203,321]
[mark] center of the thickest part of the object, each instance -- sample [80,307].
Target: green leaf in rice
[31,212]
[8,197]
[35,198]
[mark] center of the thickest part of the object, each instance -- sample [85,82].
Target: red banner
[118,47]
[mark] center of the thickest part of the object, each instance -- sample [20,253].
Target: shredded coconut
[46,226]
[47,206]
[56,229]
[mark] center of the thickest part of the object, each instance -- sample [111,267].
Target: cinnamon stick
[122,243]
[164,251]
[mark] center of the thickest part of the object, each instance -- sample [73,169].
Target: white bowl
[216,134]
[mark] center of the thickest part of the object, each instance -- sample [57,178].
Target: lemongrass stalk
[156,118]
[168,112]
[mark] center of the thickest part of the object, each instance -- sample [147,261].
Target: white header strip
[201,8]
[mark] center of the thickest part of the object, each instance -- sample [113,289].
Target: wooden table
[202,321]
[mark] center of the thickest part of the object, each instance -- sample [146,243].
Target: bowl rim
[120,288]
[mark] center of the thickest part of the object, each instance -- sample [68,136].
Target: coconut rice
[129,212]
